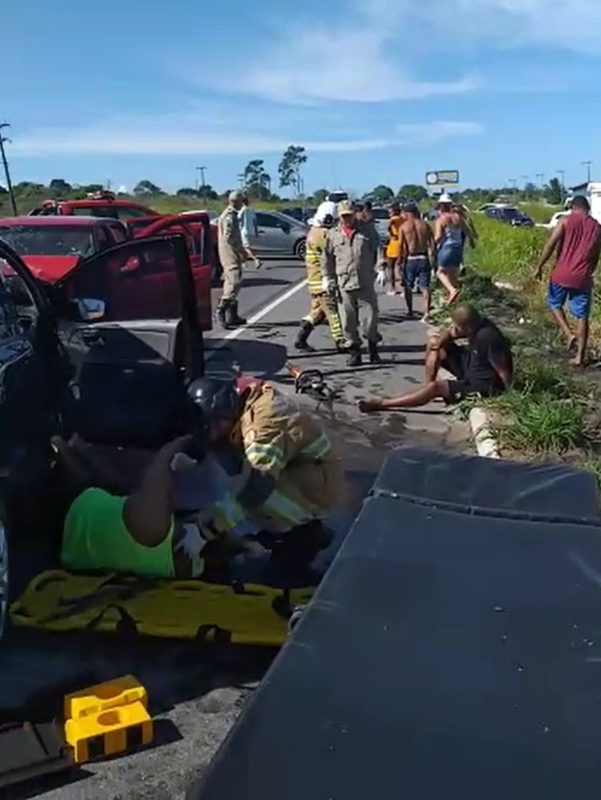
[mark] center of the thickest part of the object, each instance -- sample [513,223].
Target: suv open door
[196,229]
[135,341]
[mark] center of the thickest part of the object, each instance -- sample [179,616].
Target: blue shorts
[450,256]
[579,300]
[417,270]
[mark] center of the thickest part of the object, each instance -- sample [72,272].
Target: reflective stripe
[265,455]
[278,505]
[318,448]
[230,512]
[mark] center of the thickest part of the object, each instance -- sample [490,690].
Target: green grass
[541,423]
[540,212]
[505,253]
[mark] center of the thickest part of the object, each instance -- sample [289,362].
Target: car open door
[129,321]
[196,229]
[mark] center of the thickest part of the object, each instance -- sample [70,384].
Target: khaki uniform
[231,252]
[290,446]
[323,305]
[350,260]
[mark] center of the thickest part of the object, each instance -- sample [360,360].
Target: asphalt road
[195,694]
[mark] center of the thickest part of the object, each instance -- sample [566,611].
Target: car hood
[51,268]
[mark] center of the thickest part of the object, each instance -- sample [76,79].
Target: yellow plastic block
[105,696]
[115,731]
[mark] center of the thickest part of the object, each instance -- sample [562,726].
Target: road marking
[256,317]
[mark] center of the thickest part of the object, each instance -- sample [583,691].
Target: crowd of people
[267,476]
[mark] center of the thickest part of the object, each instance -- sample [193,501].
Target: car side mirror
[90,309]
[132,265]
[285,227]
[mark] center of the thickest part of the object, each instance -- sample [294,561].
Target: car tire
[300,249]
[3,570]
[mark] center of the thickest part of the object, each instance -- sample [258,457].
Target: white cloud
[180,137]
[547,24]
[355,59]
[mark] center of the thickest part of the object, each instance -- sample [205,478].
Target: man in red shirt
[577,242]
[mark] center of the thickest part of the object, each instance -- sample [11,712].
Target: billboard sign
[444,177]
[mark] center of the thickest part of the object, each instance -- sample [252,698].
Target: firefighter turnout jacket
[291,474]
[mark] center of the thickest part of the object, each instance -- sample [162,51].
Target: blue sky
[378,92]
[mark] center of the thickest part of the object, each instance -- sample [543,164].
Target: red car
[52,246]
[100,204]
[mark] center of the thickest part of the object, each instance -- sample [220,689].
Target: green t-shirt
[95,538]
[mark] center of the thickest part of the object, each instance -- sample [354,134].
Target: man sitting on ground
[483,367]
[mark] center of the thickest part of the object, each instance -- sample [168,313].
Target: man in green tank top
[141,533]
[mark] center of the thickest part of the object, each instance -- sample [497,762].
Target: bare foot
[453,296]
[577,362]
[572,342]
[367,406]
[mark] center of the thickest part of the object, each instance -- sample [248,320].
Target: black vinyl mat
[489,486]
[446,654]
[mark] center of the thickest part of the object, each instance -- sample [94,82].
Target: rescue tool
[312,383]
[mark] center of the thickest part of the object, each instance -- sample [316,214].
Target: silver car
[278,234]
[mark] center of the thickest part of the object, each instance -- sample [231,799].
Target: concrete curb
[486,444]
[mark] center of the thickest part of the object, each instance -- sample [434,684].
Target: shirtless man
[417,254]
[452,231]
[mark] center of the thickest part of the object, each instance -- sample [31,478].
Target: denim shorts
[579,300]
[417,271]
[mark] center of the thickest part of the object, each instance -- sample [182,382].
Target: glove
[328,284]
[381,276]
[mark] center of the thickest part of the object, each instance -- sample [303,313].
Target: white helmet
[326,215]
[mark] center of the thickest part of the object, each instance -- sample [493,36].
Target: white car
[556,219]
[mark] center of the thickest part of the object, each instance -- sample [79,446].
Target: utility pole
[540,177]
[201,171]
[9,185]
[588,165]
[513,183]
[562,174]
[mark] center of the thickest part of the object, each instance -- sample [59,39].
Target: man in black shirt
[483,366]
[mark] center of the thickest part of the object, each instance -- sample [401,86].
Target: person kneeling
[483,367]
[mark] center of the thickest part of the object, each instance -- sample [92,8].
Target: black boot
[301,342]
[354,357]
[374,356]
[220,313]
[232,319]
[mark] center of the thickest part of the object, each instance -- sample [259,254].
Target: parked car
[87,355]
[299,213]
[381,221]
[511,216]
[53,246]
[278,234]
[99,204]
[556,219]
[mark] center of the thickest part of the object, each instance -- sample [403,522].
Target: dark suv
[97,354]
[511,216]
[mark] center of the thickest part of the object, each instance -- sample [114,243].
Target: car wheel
[3,571]
[300,249]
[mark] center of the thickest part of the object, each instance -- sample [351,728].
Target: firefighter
[291,476]
[323,304]
[232,255]
[348,263]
